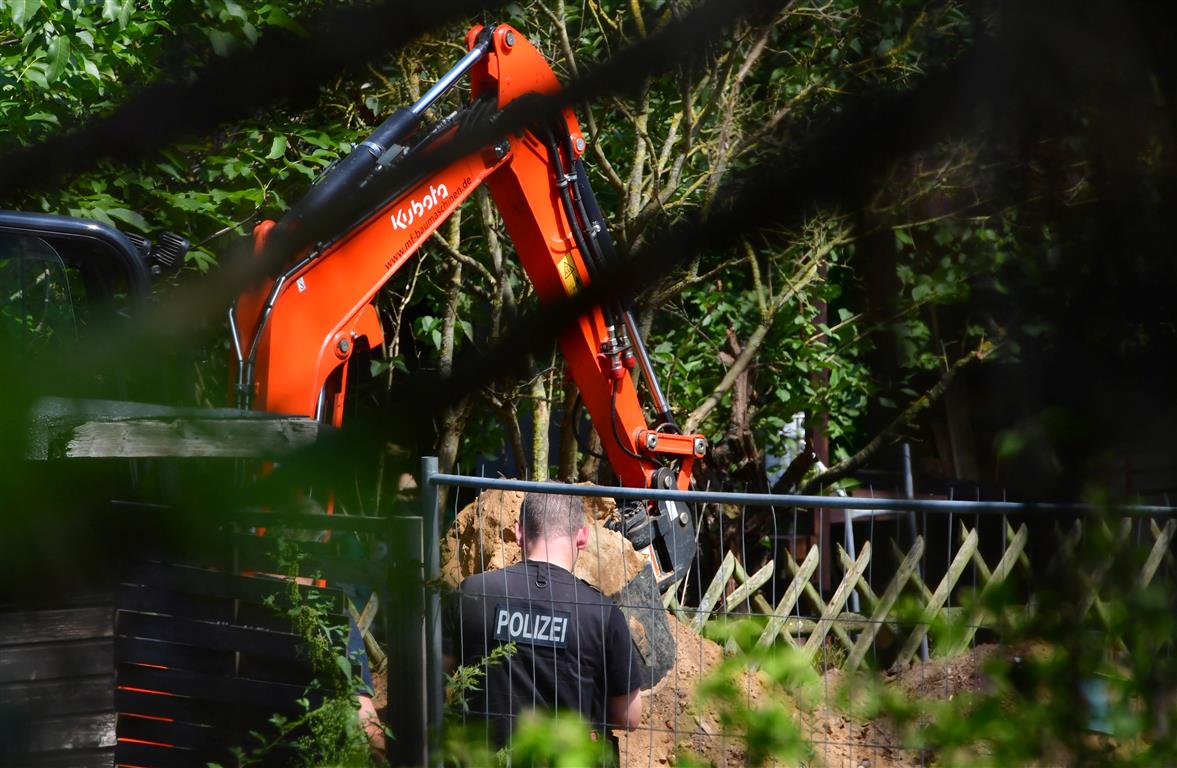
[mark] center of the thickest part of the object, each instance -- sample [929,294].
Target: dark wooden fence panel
[57,686]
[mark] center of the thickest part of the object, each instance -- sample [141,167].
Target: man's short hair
[551,514]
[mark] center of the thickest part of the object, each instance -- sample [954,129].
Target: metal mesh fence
[915,595]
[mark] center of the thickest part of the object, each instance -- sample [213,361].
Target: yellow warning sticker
[569,275]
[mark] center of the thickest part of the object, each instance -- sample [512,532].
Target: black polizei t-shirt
[573,648]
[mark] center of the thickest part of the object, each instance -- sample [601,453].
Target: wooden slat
[200,581]
[227,715]
[1094,580]
[979,563]
[133,597]
[714,592]
[801,577]
[753,583]
[829,616]
[24,627]
[60,697]
[180,734]
[137,650]
[1157,554]
[205,634]
[132,753]
[292,671]
[863,586]
[885,603]
[190,437]
[1023,559]
[814,597]
[917,581]
[758,600]
[747,588]
[278,696]
[69,758]
[261,553]
[939,597]
[47,661]
[376,656]
[1000,574]
[70,732]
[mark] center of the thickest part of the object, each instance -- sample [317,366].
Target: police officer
[572,646]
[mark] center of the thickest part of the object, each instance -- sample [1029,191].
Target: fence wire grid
[907,590]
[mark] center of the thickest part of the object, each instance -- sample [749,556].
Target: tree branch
[462,258]
[913,411]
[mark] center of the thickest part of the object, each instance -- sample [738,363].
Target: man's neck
[556,552]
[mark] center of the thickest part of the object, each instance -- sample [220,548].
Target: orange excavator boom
[296,334]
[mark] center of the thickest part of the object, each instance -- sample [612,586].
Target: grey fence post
[434,674]
[407,711]
[909,494]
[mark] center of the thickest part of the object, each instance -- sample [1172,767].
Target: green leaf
[128,217]
[36,75]
[233,9]
[23,10]
[278,148]
[344,666]
[58,57]
[280,18]
[43,117]
[124,13]
[222,42]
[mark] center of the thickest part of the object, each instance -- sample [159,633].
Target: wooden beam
[829,616]
[67,429]
[939,597]
[714,592]
[801,576]
[864,589]
[758,600]
[883,608]
[916,579]
[1159,549]
[1000,574]
[748,587]
[751,584]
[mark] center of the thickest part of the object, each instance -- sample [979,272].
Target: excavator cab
[60,275]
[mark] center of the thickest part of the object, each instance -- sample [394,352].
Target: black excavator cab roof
[59,274]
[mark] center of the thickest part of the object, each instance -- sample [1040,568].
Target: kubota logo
[415,209]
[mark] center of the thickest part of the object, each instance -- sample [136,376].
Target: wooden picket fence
[857,632]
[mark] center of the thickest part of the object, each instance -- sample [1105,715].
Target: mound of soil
[671,718]
[482,538]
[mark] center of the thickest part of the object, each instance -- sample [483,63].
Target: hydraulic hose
[595,269]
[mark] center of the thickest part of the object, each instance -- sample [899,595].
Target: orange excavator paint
[324,306]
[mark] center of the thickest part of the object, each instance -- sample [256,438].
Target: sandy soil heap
[482,538]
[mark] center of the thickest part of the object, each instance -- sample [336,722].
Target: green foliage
[74,61]
[330,733]
[467,678]
[65,64]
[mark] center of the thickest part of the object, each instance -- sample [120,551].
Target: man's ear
[581,539]
[519,536]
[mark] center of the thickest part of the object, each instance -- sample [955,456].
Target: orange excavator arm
[295,335]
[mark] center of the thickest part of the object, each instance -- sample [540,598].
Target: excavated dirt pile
[482,538]
[675,720]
